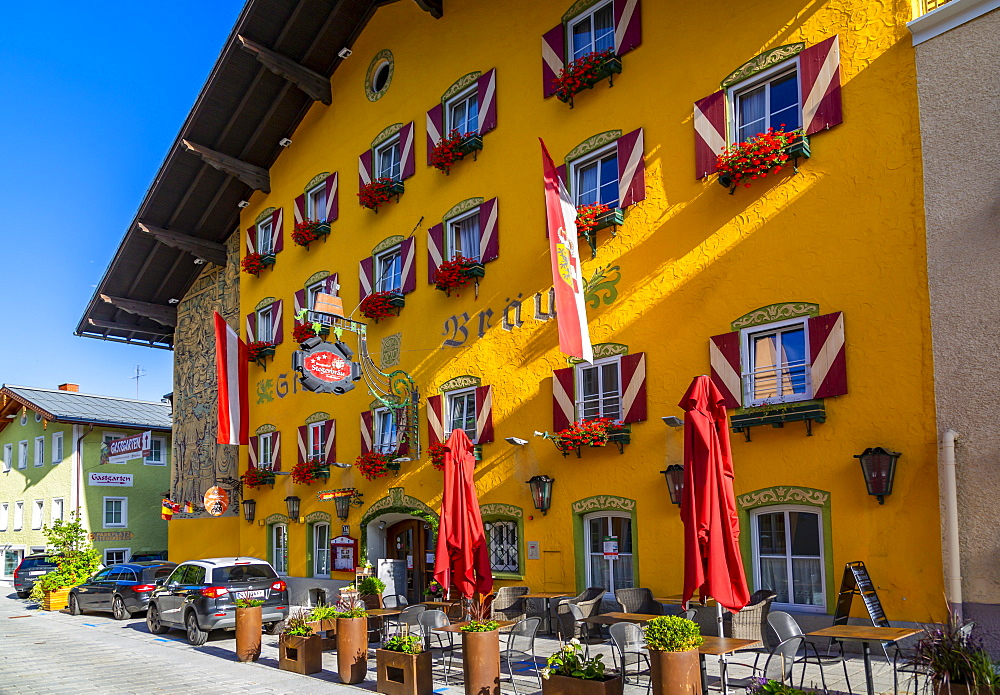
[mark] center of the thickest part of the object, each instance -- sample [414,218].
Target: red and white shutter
[709,133]
[299,209]
[827,355]
[633,387]
[435,246]
[407,152]
[303,442]
[365,268]
[366,431]
[819,67]
[332,185]
[486,96]
[553,58]
[628,25]
[330,443]
[435,124]
[631,169]
[252,327]
[489,231]
[251,239]
[277,322]
[298,304]
[252,448]
[484,414]
[277,238]
[724,355]
[435,420]
[364,169]
[408,255]
[563,398]
[332,284]
[276,451]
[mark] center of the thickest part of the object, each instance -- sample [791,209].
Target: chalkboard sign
[857,581]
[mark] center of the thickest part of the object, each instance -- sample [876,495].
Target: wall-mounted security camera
[344,52]
[243,204]
[199,261]
[516,441]
[173,300]
[284,142]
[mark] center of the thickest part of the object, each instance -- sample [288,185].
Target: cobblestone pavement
[54,652]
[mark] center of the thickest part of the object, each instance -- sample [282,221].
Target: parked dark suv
[123,589]
[148,555]
[200,596]
[30,569]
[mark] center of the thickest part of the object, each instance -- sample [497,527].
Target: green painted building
[50,466]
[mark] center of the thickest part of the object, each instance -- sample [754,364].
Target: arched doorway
[411,541]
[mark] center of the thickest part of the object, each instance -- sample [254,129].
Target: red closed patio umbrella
[712,562]
[462,559]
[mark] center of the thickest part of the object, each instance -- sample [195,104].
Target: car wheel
[74,605]
[195,634]
[153,623]
[23,594]
[119,610]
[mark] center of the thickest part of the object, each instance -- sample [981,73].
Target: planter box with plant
[569,673]
[308,231]
[299,649]
[453,275]
[777,414]
[958,663]
[370,591]
[673,644]
[403,667]
[258,351]
[481,651]
[309,471]
[594,433]
[744,162]
[453,147]
[253,263]
[248,628]
[304,331]
[323,620]
[373,465]
[257,478]
[591,218]
[380,305]
[379,192]
[352,643]
[76,561]
[584,72]
[437,452]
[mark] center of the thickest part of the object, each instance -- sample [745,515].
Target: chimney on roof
[69,387]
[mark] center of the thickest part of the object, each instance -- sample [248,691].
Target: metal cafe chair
[441,642]
[409,620]
[627,641]
[786,627]
[520,648]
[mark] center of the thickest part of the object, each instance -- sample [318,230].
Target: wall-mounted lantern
[675,482]
[249,510]
[292,502]
[879,468]
[541,492]
[344,500]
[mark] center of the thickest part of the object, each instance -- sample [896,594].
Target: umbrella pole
[722,657]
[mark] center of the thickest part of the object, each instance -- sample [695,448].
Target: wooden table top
[723,645]
[865,633]
[457,627]
[549,594]
[439,604]
[612,618]
[384,612]
[679,598]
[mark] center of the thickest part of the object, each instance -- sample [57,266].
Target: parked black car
[121,589]
[30,569]
[200,596]
[148,555]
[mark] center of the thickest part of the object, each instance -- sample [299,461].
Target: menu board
[857,581]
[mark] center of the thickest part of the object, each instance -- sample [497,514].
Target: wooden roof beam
[254,176]
[202,248]
[312,83]
[161,313]
[115,326]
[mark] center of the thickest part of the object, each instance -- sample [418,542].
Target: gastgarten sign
[111,479]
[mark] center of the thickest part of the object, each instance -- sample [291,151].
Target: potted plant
[257,350]
[308,231]
[481,651]
[370,591]
[403,667]
[379,192]
[299,649]
[304,331]
[596,432]
[569,673]
[323,619]
[453,147]
[254,262]
[309,471]
[743,162]
[380,305]
[434,591]
[596,216]
[456,273]
[248,628]
[76,561]
[957,662]
[584,73]
[257,478]
[352,642]
[372,465]
[673,644]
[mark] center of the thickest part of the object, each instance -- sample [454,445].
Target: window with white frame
[609,572]
[389,270]
[57,509]
[265,325]
[108,437]
[39,451]
[265,451]
[115,556]
[461,412]
[385,431]
[387,160]
[595,178]
[593,30]
[38,417]
[22,454]
[264,239]
[8,457]
[503,545]
[115,512]
[775,362]
[57,447]
[18,516]
[769,100]
[314,291]
[316,203]
[321,550]
[158,452]
[317,440]
[24,418]
[4,511]
[463,236]
[598,389]
[37,509]
[279,548]
[788,555]
[462,112]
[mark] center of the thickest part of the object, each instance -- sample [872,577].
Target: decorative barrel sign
[216,501]
[326,367]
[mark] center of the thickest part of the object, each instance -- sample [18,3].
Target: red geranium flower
[446,152]
[743,162]
[377,193]
[452,275]
[376,306]
[253,263]
[437,452]
[372,465]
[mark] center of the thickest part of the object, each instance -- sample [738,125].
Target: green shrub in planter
[672,633]
[406,644]
[371,586]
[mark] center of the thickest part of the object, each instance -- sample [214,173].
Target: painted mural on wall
[199,462]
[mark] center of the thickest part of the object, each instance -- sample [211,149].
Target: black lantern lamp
[675,482]
[292,502]
[541,492]
[249,510]
[344,499]
[879,468]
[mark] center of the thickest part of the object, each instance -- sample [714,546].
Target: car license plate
[35,574]
[255,594]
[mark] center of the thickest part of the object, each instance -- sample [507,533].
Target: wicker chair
[589,603]
[751,621]
[638,601]
[509,603]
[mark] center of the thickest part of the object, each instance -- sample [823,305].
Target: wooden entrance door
[410,542]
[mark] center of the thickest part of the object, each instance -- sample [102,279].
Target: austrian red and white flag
[231,368]
[567,278]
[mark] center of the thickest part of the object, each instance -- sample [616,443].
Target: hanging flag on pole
[231,368]
[567,278]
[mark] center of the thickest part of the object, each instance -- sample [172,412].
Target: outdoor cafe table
[719,646]
[457,627]
[866,635]
[612,618]
[547,596]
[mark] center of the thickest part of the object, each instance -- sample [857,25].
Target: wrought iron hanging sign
[326,367]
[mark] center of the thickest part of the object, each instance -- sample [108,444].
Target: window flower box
[304,331]
[397,300]
[253,263]
[454,147]
[308,231]
[258,351]
[598,432]
[257,478]
[379,305]
[379,192]
[584,72]
[741,163]
[591,218]
[475,270]
[471,144]
[477,452]
[454,274]
[777,415]
[310,471]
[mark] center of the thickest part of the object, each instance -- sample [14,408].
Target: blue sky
[91,97]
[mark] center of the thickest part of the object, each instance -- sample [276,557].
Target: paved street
[54,652]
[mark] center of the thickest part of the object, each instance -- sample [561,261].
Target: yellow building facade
[766,280]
